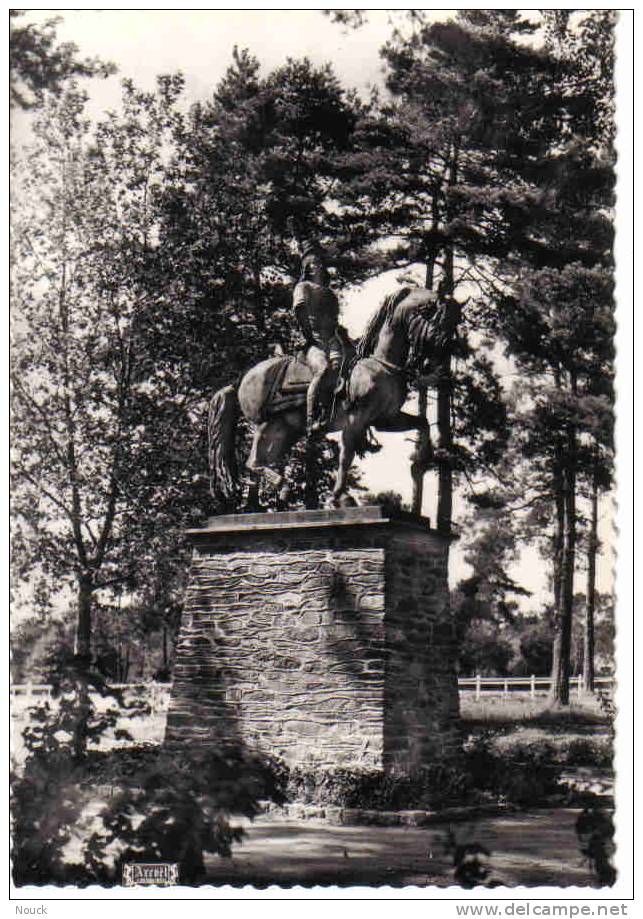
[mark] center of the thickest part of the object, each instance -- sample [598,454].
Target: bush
[46,798]
[560,751]
[435,786]
[174,806]
[171,803]
[529,777]
[46,805]
[595,832]
[587,751]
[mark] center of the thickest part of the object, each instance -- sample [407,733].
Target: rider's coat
[317,312]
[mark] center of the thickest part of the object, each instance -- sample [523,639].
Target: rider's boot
[316,420]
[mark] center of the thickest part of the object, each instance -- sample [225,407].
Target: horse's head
[431,326]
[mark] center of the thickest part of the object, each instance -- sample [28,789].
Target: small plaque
[150,874]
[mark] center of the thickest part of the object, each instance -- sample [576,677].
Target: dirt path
[528,849]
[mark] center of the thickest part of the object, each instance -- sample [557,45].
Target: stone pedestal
[322,637]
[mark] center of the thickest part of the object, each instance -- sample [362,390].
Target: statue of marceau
[331,385]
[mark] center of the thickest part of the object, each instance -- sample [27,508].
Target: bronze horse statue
[407,335]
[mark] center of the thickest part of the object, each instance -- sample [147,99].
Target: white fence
[534,685]
[158,694]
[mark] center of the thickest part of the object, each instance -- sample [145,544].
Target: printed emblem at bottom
[143,874]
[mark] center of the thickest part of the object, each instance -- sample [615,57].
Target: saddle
[287,382]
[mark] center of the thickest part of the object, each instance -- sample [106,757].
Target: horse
[406,336]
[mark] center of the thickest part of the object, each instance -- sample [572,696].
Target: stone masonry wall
[421,706]
[324,646]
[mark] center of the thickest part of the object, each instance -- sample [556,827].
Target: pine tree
[563,321]
[567,331]
[456,173]
[251,180]
[38,66]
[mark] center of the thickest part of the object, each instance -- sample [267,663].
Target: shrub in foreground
[175,806]
[437,785]
[168,803]
[171,803]
[562,751]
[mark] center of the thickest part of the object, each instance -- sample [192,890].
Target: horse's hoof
[283,499]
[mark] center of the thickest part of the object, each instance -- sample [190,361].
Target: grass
[506,714]
[515,719]
[577,735]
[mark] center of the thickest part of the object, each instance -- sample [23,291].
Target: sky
[144,43]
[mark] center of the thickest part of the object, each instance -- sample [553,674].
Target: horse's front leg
[403,421]
[423,453]
[349,440]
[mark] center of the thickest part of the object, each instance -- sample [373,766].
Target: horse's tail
[222,460]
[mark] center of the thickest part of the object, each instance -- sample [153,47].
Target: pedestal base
[322,637]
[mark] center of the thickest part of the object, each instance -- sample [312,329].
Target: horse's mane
[383,314]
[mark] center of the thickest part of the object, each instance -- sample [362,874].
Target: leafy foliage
[595,832]
[39,66]
[484,651]
[47,796]
[529,778]
[100,486]
[171,803]
[526,775]
[536,648]
[175,807]
[435,786]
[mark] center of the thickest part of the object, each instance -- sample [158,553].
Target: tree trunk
[445,433]
[445,442]
[83,662]
[126,661]
[418,479]
[592,549]
[558,553]
[563,625]
[559,540]
[84,619]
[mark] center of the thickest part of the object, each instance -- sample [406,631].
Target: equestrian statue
[332,385]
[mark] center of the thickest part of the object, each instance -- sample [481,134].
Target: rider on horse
[327,344]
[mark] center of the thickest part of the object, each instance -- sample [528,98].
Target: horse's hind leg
[272,441]
[252,499]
